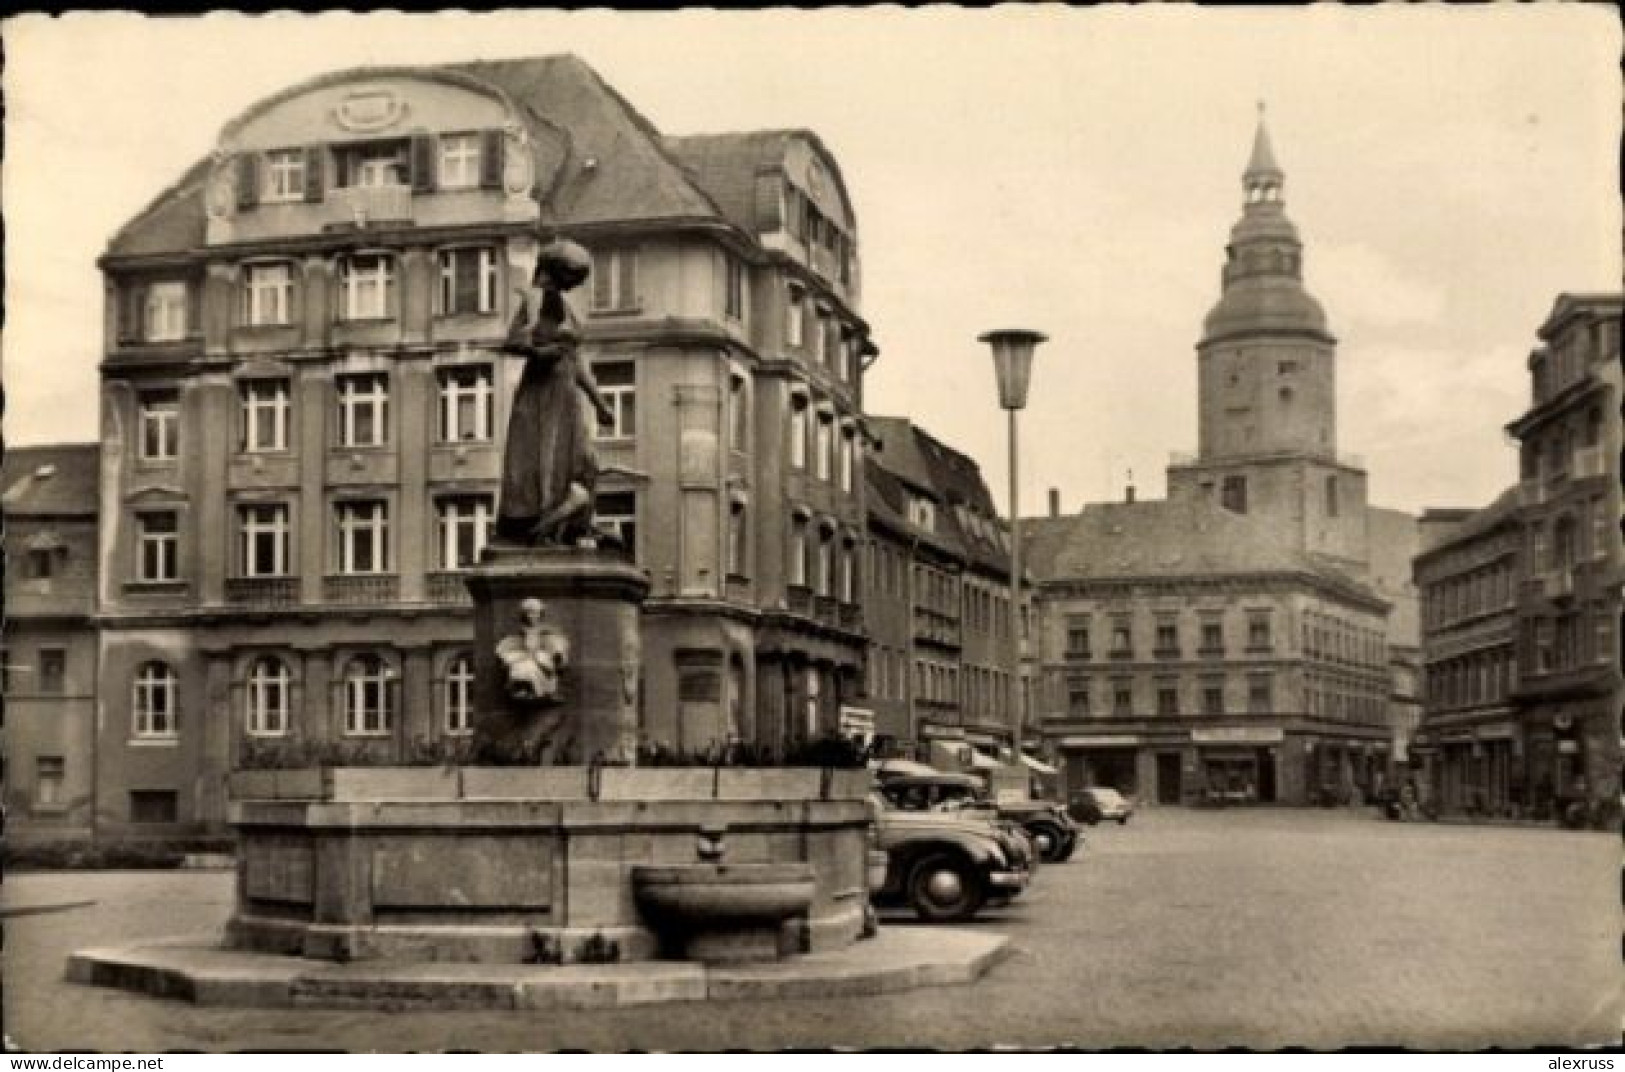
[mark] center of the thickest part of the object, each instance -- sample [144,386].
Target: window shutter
[315,160]
[628,295]
[601,289]
[296,295]
[194,308]
[248,180]
[492,147]
[423,153]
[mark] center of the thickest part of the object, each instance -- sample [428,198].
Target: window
[363,409]
[367,696]
[468,279]
[1603,534]
[265,411]
[615,280]
[1167,698]
[847,589]
[816,342]
[40,563]
[158,544]
[153,806]
[379,163]
[798,433]
[826,564]
[1122,696]
[366,286]
[165,312]
[465,523]
[159,417]
[1213,696]
[1259,694]
[738,413]
[1122,639]
[793,319]
[460,695]
[617,513]
[268,686]
[617,382]
[824,448]
[733,289]
[155,711]
[846,463]
[1077,636]
[465,404]
[1331,496]
[1077,699]
[284,176]
[1167,637]
[738,534]
[264,540]
[1212,636]
[1258,631]
[49,774]
[798,552]
[1233,494]
[53,670]
[459,161]
[267,295]
[363,536]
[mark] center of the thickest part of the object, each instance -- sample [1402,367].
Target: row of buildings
[303,407]
[1521,599]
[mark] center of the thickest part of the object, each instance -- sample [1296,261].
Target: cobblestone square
[1257,928]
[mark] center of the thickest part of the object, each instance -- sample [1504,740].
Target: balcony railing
[824,609]
[263,591]
[361,206]
[361,589]
[798,599]
[851,616]
[448,586]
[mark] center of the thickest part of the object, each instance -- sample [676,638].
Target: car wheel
[1122,820]
[1047,842]
[1066,853]
[943,889]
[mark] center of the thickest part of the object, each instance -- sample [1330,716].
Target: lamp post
[1013,365]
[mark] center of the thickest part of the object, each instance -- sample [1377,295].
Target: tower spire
[1263,178]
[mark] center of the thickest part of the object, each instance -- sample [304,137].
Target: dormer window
[459,161]
[284,178]
[373,164]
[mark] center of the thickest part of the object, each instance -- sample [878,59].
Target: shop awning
[1037,766]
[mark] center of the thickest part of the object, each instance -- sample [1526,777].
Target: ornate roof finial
[1262,167]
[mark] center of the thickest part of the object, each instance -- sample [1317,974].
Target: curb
[197,970]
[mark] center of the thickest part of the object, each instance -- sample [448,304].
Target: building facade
[304,410]
[937,597]
[1568,690]
[48,664]
[1469,574]
[1230,642]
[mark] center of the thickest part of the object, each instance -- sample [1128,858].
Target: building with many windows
[1231,641]
[937,598]
[48,663]
[1468,572]
[1568,689]
[304,409]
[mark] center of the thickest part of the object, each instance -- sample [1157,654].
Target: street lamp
[1013,366]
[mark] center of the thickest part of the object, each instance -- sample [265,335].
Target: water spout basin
[706,896]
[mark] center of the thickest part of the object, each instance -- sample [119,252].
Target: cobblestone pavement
[1262,929]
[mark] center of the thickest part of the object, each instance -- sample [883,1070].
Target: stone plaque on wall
[488,872]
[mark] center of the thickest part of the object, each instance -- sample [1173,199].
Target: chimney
[1054,502]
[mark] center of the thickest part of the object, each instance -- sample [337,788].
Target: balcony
[1558,584]
[798,599]
[824,609]
[364,206]
[448,587]
[263,591]
[361,589]
[851,617]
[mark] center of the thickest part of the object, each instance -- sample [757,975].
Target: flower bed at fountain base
[525,865]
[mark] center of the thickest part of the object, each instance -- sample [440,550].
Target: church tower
[1267,385]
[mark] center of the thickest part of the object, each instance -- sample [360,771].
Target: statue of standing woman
[549,466]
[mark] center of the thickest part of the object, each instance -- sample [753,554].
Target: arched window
[156,709]
[268,684]
[367,707]
[460,695]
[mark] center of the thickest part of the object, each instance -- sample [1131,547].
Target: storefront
[1105,760]
[1237,764]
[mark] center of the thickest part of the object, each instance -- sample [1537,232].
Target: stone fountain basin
[706,894]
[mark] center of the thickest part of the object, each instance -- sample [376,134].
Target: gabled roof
[59,480]
[612,164]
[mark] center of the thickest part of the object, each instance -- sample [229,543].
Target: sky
[1451,170]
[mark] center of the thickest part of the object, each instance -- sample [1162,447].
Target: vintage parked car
[1053,834]
[1097,802]
[946,865]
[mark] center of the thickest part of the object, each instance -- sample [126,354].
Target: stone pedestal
[593,599]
